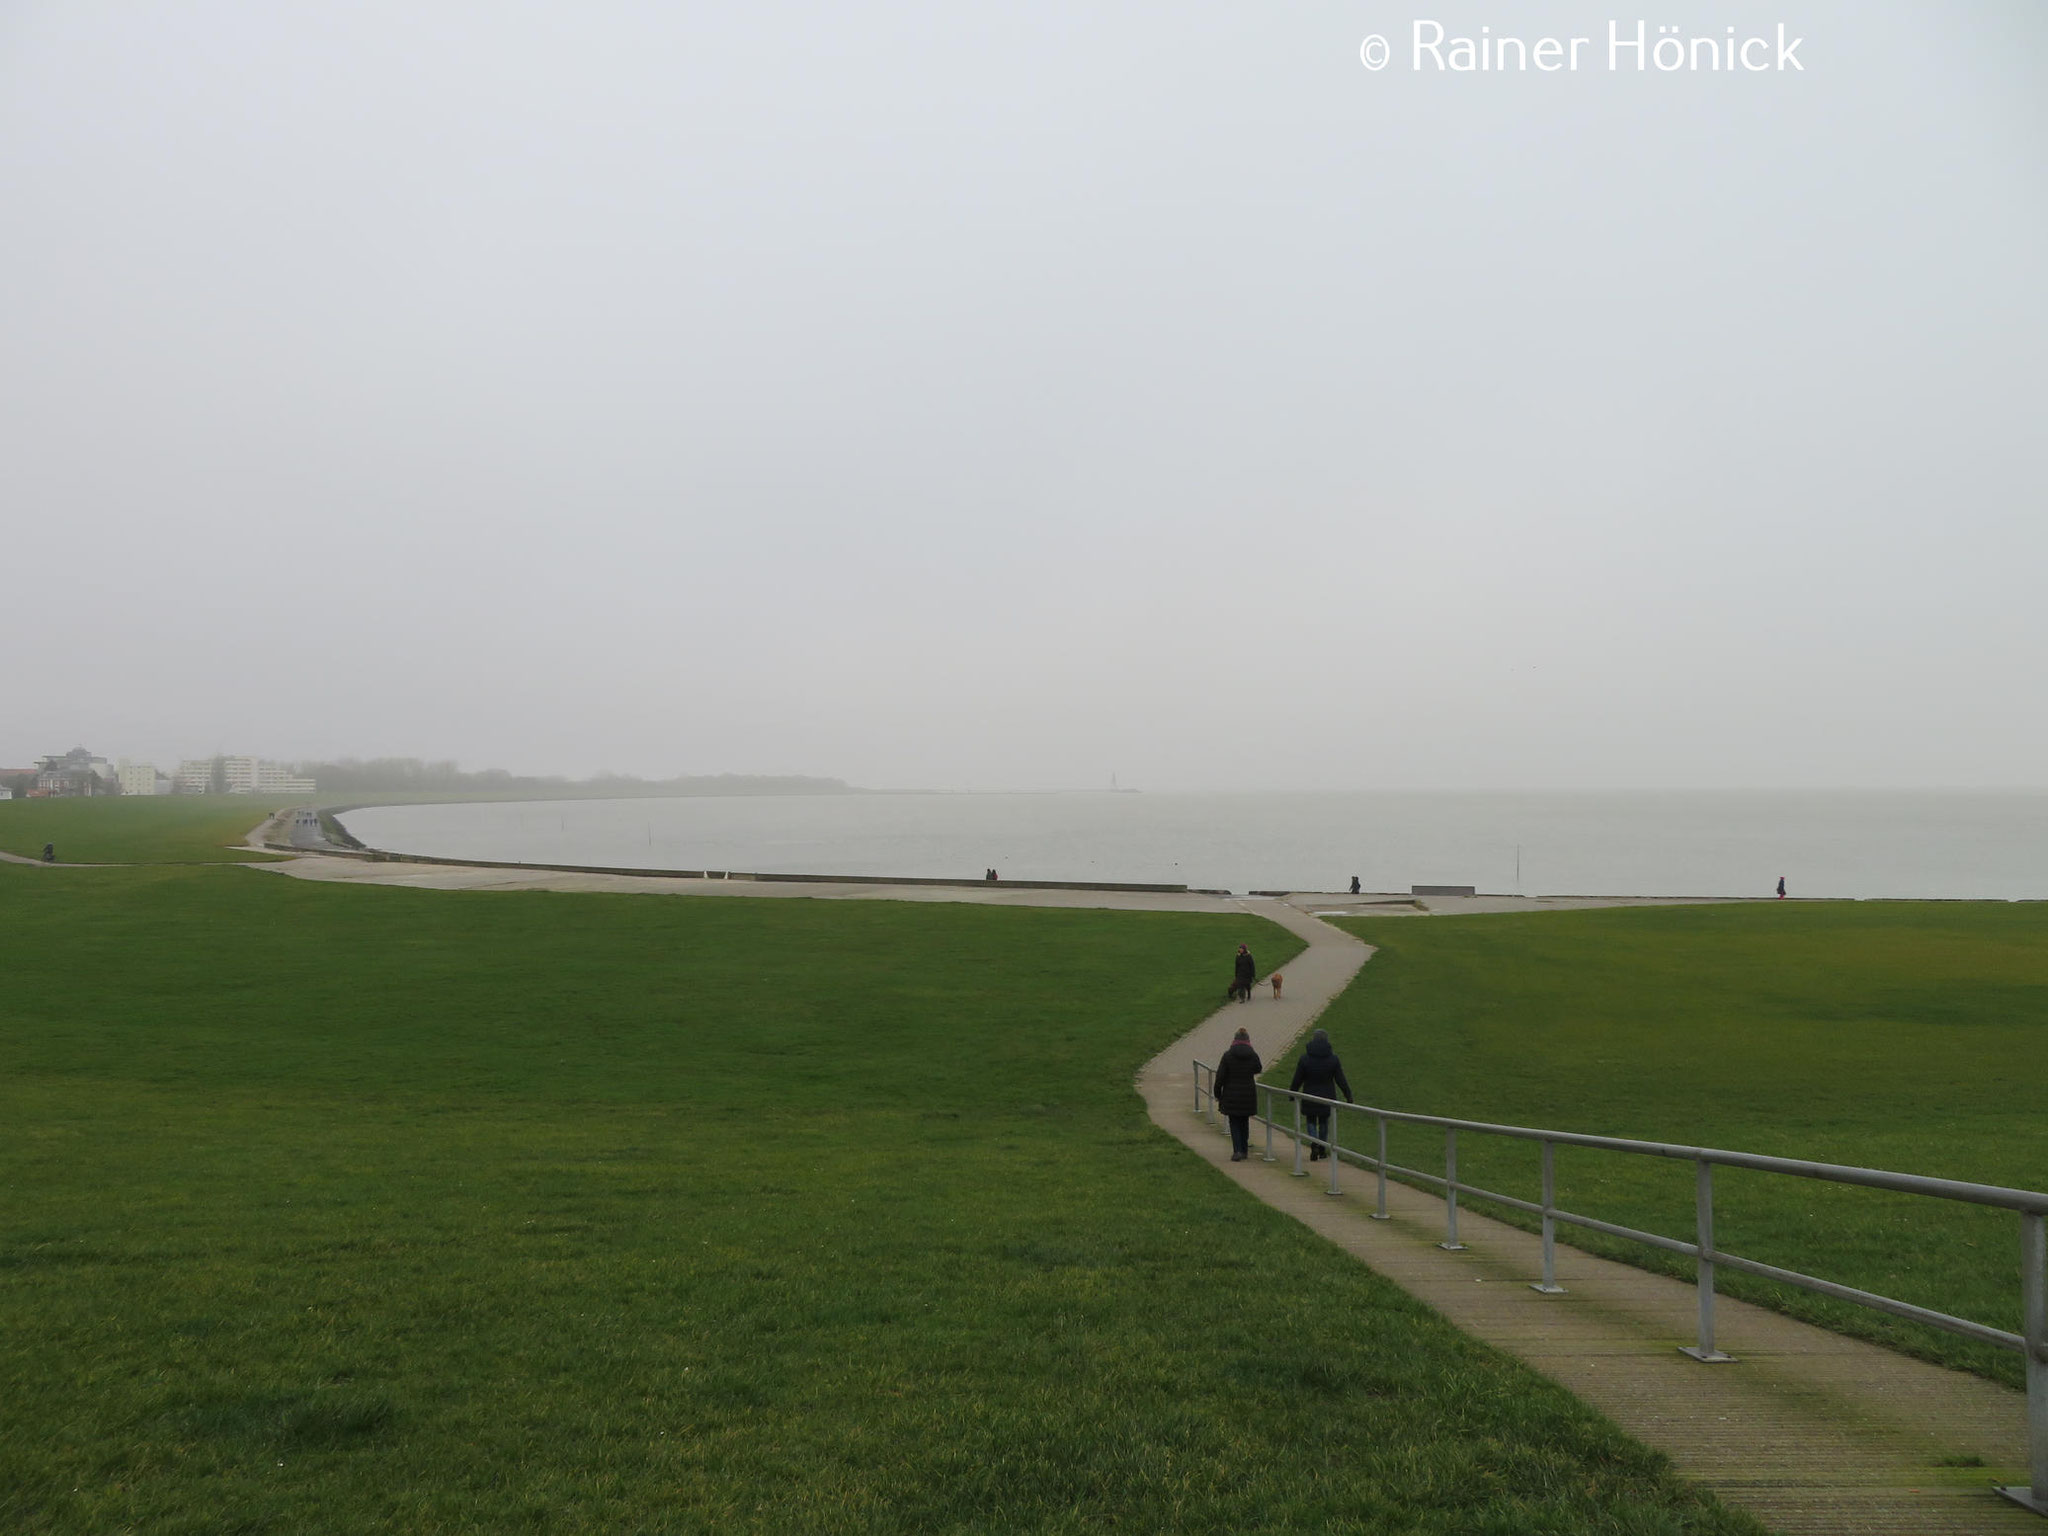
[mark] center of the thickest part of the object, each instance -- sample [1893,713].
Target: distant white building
[6,793]
[240,776]
[136,778]
[255,776]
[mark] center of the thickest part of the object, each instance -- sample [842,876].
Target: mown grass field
[345,1210]
[136,829]
[1909,1036]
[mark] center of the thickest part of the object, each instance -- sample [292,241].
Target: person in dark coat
[1247,973]
[1320,1073]
[1236,1086]
[1354,885]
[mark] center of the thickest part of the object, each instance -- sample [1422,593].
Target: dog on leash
[1275,979]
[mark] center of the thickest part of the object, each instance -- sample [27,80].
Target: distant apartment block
[254,776]
[140,778]
[244,775]
[239,776]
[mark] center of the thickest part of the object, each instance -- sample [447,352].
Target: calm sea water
[1869,844]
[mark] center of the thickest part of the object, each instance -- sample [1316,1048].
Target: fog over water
[1005,396]
[1872,844]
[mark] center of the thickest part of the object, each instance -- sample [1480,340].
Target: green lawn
[136,829]
[1909,1036]
[342,1210]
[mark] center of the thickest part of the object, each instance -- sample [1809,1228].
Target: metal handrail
[2032,1206]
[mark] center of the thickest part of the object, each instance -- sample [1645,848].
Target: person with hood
[1320,1073]
[1236,1086]
[1247,973]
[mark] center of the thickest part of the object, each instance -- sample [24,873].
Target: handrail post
[1451,1194]
[1298,1171]
[1380,1212]
[1548,1285]
[1198,1085]
[1703,1209]
[1330,1150]
[1266,1099]
[2034,1298]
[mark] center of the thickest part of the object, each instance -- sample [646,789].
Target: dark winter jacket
[1319,1072]
[1237,1079]
[1247,968]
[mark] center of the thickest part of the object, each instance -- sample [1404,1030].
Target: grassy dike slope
[345,1210]
[139,829]
[1911,1036]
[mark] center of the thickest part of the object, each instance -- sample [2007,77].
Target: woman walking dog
[1247,973]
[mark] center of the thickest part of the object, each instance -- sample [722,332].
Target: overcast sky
[1006,395]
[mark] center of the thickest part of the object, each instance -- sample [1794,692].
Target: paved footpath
[1809,1431]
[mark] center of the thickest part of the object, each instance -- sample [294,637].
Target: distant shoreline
[1681,848]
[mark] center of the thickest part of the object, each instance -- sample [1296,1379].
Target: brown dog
[1275,979]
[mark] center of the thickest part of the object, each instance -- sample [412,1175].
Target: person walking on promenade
[1320,1074]
[1236,1086]
[1354,885]
[1247,973]
[1781,887]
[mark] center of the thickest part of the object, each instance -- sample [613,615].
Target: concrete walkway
[1808,1431]
[309,863]
[462,877]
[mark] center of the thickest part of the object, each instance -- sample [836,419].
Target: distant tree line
[412,776]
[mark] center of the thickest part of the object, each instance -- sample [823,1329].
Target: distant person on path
[1236,1086]
[49,853]
[1781,887]
[1321,1074]
[1354,885]
[1247,973]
